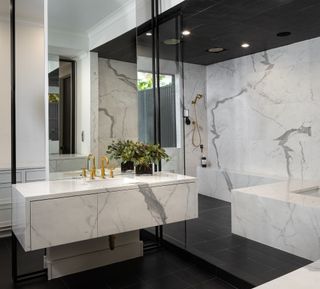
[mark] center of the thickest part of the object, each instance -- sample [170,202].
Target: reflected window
[167,108]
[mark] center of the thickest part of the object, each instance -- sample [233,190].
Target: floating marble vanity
[282,215]
[74,217]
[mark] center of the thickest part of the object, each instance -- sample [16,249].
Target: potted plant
[122,150]
[145,155]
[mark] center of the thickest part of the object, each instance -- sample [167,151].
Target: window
[167,109]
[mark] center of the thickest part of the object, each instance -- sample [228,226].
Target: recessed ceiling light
[186,32]
[284,34]
[172,41]
[216,49]
[245,45]
[149,34]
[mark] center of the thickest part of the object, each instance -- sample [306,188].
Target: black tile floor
[160,269]
[210,238]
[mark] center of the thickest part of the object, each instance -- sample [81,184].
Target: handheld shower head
[198,96]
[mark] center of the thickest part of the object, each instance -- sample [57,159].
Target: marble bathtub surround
[283,215]
[52,213]
[307,277]
[218,183]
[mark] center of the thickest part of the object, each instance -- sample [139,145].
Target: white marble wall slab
[263,112]
[118,102]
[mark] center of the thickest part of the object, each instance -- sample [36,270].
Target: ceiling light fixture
[245,45]
[186,32]
[216,49]
[149,34]
[284,34]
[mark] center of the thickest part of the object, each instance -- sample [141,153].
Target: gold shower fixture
[198,96]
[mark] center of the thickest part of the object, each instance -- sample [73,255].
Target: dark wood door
[67,117]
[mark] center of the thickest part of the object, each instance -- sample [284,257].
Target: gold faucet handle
[92,173]
[103,172]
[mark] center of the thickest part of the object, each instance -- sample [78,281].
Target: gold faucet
[92,158]
[104,160]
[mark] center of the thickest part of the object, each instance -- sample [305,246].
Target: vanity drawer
[63,220]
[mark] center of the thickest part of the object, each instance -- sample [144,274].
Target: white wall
[5,90]
[30,95]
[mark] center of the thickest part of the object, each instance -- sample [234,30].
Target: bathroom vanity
[73,218]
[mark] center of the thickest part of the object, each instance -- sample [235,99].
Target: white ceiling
[78,16]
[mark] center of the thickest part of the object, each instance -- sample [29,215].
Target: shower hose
[195,123]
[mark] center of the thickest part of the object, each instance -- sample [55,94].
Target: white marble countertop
[307,277]
[305,193]
[73,187]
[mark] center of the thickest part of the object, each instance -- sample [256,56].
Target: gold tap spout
[104,164]
[92,158]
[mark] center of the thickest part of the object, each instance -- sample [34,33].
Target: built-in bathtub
[283,215]
[218,183]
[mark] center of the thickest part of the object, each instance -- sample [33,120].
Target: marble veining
[283,140]
[118,102]
[262,113]
[154,206]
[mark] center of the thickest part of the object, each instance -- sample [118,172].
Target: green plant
[138,152]
[121,150]
[54,97]
[146,154]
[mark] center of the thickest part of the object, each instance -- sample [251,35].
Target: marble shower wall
[195,83]
[118,102]
[263,112]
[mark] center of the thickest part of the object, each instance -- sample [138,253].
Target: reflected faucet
[92,169]
[104,160]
